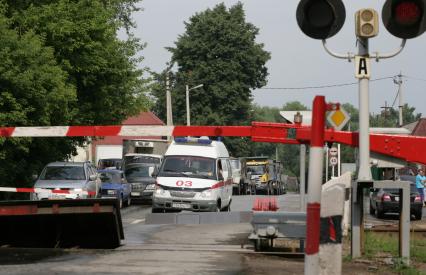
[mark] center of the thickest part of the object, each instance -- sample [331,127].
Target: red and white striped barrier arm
[124,130]
[43,190]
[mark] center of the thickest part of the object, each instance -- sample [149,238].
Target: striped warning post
[316,157]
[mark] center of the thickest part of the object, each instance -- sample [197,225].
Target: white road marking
[137,221]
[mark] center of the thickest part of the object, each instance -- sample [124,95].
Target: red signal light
[404,18]
[407,13]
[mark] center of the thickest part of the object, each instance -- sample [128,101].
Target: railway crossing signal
[404,18]
[366,23]
[320,19]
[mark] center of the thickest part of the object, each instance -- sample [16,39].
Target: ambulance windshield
[188,166]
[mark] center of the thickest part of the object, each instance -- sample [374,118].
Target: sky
[297,60]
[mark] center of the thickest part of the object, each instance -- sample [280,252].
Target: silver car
[75,177]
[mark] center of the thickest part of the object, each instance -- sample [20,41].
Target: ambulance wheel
[227,208]
[218,207]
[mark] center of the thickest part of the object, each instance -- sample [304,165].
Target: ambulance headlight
[159,190]
[206,194]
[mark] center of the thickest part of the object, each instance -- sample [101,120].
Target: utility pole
[385,109]
[188,114]
[169,98]
[401,104]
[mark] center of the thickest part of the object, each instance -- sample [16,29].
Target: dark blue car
[115,186]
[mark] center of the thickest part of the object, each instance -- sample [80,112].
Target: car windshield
[188,166]
[63,173]
[141,171]
[110,177]
[256,170]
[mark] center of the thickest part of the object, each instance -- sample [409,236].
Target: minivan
[195,176]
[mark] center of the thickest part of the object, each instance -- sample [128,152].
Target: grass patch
[383,244]
[379,245]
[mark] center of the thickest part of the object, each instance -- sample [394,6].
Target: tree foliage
[218,50]
[63,64]
[390,117]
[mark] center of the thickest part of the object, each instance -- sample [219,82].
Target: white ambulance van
[195,175]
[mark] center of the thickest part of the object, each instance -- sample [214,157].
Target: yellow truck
[261,174]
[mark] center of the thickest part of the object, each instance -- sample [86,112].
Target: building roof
[410,126]
[420,128]
[144,118]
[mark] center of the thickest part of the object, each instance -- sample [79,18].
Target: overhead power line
[323,86]
[414,78]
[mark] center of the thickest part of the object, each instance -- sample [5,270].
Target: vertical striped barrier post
[316,159]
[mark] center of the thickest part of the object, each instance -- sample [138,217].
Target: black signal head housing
[320,19]
[404,18]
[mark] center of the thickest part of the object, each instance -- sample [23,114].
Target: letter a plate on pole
[362,67]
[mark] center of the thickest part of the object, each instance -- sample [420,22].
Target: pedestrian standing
[420,183]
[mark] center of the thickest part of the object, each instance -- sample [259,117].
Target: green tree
[218,50]
[33,91]
[63,64]
[390,117]
[102,67]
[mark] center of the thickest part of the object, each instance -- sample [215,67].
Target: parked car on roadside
[114,185]
[72,176]
[386,200]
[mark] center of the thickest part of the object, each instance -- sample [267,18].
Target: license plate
[181,205]
[135,194]
[55,197]
[396,198]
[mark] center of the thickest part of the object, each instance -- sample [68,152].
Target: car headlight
[112,192]
[159,190]
[150,187]
[206,193]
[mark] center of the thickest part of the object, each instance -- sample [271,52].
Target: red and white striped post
[316,159]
